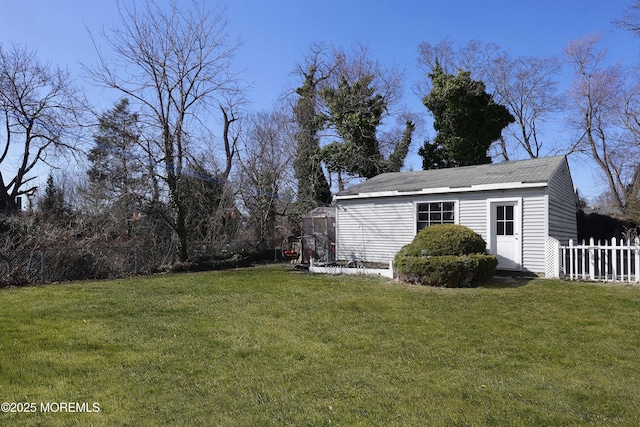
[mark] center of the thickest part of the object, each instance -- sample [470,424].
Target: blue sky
[276,35]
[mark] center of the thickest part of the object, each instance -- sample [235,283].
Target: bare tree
[212,214]
[527,86]
[176,63]
[39,109]
[231,108]
[358,63]
[604,113]
[629,145]
[631,19]
[474,57]
[267,177]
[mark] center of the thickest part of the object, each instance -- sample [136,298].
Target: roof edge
[444,190]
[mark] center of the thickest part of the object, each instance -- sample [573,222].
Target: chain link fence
[22,267]
[61,264]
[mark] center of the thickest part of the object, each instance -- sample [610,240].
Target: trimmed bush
[447,255]
[446,271]
[446,239]
[483,267]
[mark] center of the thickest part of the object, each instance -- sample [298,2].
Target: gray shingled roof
[523,171]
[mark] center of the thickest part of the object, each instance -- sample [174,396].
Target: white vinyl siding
[473,213]
[375,229]
[534,231]
[562,207]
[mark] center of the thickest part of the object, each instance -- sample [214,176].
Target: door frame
[492,232]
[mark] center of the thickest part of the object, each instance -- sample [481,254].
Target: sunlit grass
[270,346]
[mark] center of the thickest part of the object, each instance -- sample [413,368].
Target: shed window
[435,213]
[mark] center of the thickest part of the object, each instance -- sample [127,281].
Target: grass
[270,346]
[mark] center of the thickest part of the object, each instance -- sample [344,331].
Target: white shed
[515,206]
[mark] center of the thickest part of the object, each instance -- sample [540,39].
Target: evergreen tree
[52,205]
[356,111]
[312,183]
[466,118]
[116,169]
[120,185]
[396,159]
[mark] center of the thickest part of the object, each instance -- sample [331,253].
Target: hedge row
[447,271]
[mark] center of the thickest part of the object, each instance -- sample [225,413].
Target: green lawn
[271,346]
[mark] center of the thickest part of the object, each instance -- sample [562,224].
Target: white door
[505,234]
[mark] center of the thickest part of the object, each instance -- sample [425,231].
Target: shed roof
[320,212]
[531,171]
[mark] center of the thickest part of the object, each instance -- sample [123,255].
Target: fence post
[571,270]
[135,260]
[592,259]
[625,254]
[636,255]
[581,256]
[42,266]
[614,259]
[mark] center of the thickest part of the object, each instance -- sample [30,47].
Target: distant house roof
[521,173]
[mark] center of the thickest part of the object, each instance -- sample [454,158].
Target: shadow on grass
[509,279]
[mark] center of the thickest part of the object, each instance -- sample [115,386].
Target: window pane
[509,214]
[500,213]
[509,228]
[434,213]
[500,231]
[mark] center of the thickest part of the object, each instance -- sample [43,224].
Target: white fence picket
[614,261]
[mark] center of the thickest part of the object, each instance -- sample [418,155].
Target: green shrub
[483,267]
[446,239]
[446,271]
[447,255]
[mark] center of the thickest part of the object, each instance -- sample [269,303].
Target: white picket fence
[616,261]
